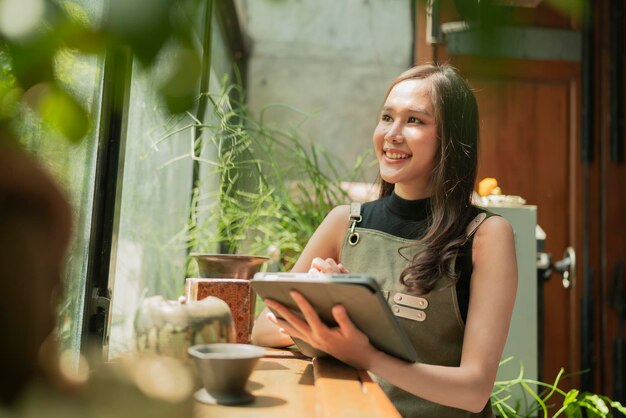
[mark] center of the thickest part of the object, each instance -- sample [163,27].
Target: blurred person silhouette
[35,229]
[35,232]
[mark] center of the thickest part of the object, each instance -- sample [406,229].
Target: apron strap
[355,217]
[355,211]
[472,227]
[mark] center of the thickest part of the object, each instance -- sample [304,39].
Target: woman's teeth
[394,156]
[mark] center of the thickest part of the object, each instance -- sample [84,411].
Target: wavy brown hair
[453,177]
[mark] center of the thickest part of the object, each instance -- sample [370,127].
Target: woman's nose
[394,134]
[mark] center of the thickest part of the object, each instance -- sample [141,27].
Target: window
[73,165]
[158,173]
[149,248]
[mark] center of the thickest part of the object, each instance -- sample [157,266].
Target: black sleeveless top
[408,219]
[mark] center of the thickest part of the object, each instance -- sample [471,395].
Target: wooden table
[286,384]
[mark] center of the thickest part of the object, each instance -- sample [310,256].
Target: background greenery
[549,400]
[272,187]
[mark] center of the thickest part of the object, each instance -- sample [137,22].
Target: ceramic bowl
[225,370]
[228,266]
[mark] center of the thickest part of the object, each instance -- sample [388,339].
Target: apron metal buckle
[353,238]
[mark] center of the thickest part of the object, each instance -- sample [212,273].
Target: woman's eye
[386,118]
[413,119]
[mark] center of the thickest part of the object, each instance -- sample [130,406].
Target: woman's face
[405,139]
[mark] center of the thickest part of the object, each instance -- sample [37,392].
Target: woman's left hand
[344,342]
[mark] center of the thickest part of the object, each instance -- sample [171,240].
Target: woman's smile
[395,156]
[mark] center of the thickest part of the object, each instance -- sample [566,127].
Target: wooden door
[528,142]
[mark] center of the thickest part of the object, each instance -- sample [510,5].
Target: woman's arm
[325,243]
[492,295]
[468,386]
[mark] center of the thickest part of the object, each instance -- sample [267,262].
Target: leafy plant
[572,403]
[34,39]
[271,187]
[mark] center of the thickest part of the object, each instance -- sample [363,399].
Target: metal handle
[567,267]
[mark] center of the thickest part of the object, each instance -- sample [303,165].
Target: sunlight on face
[405,139]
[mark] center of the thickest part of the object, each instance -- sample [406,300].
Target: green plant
[33,45]
[264,189]
[572,403]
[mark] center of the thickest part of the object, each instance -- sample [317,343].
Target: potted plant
[263,189]
[260,194]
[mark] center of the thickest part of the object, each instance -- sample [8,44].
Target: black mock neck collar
[415,210]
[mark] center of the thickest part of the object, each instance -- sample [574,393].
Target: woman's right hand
[318,257]
[329,266]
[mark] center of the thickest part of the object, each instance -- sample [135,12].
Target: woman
[451,265]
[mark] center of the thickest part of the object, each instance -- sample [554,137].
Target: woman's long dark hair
[453,177]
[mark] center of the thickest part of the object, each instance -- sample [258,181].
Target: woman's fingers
[285,328]
[319,265]
[272,317]
[308,329]
[288,316]
[343,320]
[332,265]
[309,313]
[328,266]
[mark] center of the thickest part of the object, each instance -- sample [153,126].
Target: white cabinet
[522,343]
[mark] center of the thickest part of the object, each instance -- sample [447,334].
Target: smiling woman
[447,268]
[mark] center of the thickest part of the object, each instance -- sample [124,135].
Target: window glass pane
[220,60]
[203,237]
[153,239]
[206,208]
[156,194]
[73,165]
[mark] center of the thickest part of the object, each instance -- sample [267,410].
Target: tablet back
[360,295]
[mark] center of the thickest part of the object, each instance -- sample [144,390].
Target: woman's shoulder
[482,216]
[489,222]
[339,211]
[493,232]
[338,217]
[495,224]
[364,208]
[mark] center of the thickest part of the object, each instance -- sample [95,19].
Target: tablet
[361,296]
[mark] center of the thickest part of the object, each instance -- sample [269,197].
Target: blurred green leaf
[32,63]
[61,111]
[144,25]
[9,101]
[570,397]
[599,403]
[618,406]
[27,62]
[180,88]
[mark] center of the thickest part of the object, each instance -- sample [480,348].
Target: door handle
[567,267]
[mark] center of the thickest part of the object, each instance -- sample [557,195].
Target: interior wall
[331,59]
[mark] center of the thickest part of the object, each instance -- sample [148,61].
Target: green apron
[433,321]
